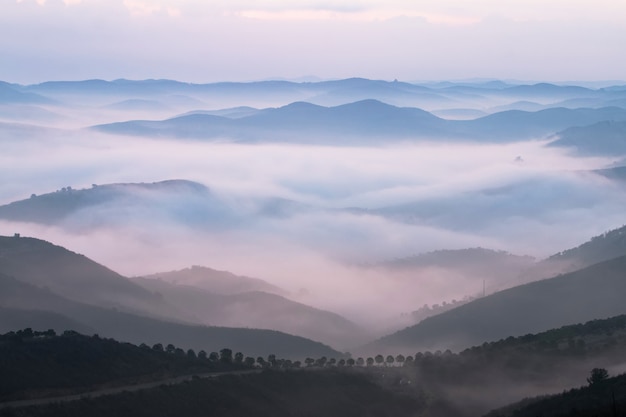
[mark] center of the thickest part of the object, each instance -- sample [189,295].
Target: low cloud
[403,200]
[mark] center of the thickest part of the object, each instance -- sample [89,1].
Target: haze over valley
[320,195]
[266,208]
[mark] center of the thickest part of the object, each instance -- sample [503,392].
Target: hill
[497,373]
[75,277]
[29,306]
[260,310]
[604,399]
[609,245]
[184,203]
[366,120]
[103,204]
[602,138]
[271,393]
[45,364]
[219,282]
[590,293]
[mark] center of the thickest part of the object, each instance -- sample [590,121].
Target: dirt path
[117,390]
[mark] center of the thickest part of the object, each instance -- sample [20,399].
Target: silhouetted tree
[370,361]
[226,355]
[214,357]
[351,362]
[389,360]
[239,357]
[249,361]
[360,361]
[271,359]
[202,355]
[597,375]
[191,354]
[309,362]
[400,359]
[379,359]
[158,347]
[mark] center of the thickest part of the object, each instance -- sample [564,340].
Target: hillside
[182,202]
[603,138]
[591,293]
[267,394]
[603,399]
[46,364]
[609,245]
[260,310]
[111,203]
[29,307]
[76,277]
[219,282]
[497,373]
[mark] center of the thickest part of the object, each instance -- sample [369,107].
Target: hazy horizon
[203,42]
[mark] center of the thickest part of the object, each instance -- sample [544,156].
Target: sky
[241,40]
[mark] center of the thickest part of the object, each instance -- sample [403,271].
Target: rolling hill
[261,310]
[591,293]
[214,281]
[182,202]
[40,309]
[114,202]
[602,138]
[76,277]
[366,120]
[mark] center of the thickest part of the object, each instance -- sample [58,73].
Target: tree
[597,375]
[390,360]
[249,361]
[158,347]
[360,361]
[226,355]
[214,357]
[271,359]
[379,359]
[191,354]
[238,357]
[202,355]
[309,362]
[332,361]
[400,359]
[370,361]
[321,361]
[351,362]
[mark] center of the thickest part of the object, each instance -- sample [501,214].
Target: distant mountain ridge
[364,121]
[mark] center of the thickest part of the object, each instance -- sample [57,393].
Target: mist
[344,207]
